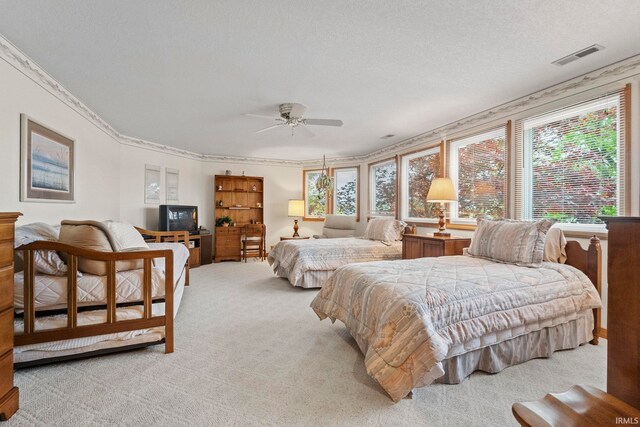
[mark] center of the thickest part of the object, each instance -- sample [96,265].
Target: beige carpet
[249,351]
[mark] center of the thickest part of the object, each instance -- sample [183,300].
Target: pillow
[332,233]
[106,236]
[45,262]
[340,222]
[554,246]
[384,229]
[510,242]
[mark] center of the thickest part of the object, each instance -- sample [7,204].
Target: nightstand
[294,238]
[420,246]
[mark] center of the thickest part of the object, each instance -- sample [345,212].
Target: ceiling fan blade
[323,122]
[297,110]
[262,116]
[270,127]
[303,130]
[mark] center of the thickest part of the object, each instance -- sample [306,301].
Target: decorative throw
[512,242]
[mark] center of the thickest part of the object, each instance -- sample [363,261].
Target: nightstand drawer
[420,246]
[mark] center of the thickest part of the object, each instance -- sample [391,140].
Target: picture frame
[172,181]
[152,176]
[47,163]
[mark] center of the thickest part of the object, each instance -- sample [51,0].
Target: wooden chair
[253,241]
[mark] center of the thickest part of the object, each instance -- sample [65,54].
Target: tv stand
[202,251]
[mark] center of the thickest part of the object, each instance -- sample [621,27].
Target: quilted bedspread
[292,258]
[407,316]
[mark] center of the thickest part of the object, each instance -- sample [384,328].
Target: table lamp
[442,191]
[296,209]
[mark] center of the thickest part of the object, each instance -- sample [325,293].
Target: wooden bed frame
[589,261]
[112,325]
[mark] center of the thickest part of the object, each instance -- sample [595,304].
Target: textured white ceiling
[183,73]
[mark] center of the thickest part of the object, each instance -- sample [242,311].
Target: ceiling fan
[291,114]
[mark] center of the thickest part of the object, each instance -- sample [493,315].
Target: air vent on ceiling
[577,55]
[390,135]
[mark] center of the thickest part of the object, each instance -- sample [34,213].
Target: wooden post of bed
[590,262]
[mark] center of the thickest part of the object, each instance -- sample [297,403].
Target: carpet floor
[250,351]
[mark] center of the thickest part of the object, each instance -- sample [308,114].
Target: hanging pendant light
[324,183]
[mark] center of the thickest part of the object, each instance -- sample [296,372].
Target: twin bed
[440,319]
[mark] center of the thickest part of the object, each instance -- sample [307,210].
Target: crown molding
[609,74]
[15,57]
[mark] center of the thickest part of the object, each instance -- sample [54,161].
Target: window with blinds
[573,162]
[345,196]
[315,203]
[382,188]
[477,167]
[419,169]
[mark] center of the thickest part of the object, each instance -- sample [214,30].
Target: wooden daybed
[97,316]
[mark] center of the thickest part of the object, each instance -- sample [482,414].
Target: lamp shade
[296,207]
[442,190]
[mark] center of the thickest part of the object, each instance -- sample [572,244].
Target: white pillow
[45,262]
[384,229]
[511,242]
[124,237]
[554,246]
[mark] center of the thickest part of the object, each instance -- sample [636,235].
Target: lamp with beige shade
[442,191]
[296,210]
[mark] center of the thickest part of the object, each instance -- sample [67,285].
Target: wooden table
[580,406]
[420,246]
[293,238]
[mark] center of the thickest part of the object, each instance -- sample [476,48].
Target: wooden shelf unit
[242,199]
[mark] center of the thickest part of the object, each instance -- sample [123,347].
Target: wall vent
[577,55]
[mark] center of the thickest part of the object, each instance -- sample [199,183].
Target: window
[478,171]
[382,188]
[418,170]
[345,195]
[315,203]
[573,162]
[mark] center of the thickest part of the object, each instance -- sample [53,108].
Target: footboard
[590,263]
[112,325]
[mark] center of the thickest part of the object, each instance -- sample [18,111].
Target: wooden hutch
[242,199]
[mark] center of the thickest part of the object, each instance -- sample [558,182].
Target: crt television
[179,218]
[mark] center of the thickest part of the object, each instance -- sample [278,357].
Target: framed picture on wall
[172,179]
[152,184]
[47,163]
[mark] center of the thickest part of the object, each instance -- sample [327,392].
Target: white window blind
[315,203]
[418,170]
[345,196]
[382,188]
[573,162]
[477,167]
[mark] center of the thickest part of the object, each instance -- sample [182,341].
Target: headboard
[589,261]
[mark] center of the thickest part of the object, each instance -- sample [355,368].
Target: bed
[79,314]
[309,263]
[440,319]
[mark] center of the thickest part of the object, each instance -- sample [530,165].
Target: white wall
[97,185]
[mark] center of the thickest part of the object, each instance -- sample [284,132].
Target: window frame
[523,192]
[404,180]
[334,171]
[452,167]
[306,216]
[372,186]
